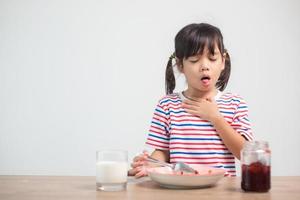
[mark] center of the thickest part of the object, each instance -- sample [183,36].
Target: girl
[202,124]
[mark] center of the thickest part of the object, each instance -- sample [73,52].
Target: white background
[79,76]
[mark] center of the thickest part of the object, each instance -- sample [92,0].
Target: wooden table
[79,187]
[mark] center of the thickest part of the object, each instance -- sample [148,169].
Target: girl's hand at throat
[207,109]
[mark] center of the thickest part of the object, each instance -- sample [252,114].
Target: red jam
[256,177]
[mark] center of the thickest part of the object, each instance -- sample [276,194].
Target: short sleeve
[158,136]
[241,122]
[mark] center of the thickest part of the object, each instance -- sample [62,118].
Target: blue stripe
[229,101]
[201,153]
[158,124]
[169,100]
[222,166]
[177,138]
[158,137]
[229,166]
[157,110]
[218,166]
[226,112]
[176,112]
[241,107]
[205,125]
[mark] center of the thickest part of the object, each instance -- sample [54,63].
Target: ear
[179,65]
[223,62]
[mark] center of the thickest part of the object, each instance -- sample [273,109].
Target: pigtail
[169,77]
[225,74]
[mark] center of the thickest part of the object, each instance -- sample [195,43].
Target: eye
[212,59]
[193,61]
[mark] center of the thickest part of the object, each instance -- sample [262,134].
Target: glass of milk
[111,170]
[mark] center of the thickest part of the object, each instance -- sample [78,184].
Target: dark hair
[191,40]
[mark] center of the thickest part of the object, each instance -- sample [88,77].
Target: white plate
[165,177]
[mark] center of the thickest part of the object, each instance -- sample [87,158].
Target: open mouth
[205,80]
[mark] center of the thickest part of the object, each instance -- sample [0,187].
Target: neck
[196,94]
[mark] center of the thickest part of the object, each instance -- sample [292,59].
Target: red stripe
[203,158]
[189,120]
[157,128]
[228,104]
[232,171]
[155,145]
[191,148]
[173,97]
[153,131]
[165,123]
[233,125]
[161,107]
[193,129]
[241,112]
[229,96]
[248,136]
[181,115]
[226,108]
[175,107]
[228,117]
[211,163]
[195,143]
[158,141]
[171,104]
[245,123]
[193,134]
[159,115]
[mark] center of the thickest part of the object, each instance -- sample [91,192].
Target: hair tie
[172,56]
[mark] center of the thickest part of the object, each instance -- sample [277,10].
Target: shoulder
[233,100]
[231,97]
[169,99]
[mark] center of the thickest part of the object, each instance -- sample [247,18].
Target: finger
[193,112]
[138,158]
[132,172]
[137,164]
[187,101]
[185,105]
[145,152]
[191,107]
[141,173]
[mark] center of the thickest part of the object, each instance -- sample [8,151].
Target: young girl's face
[202,71]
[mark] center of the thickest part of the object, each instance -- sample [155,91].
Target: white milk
[111,172]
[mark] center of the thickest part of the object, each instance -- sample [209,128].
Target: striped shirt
[193,140]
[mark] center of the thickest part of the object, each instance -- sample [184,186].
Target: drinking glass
[111,170]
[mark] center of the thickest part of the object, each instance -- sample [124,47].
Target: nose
[204,68]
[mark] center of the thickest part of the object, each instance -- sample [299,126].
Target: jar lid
[255,145]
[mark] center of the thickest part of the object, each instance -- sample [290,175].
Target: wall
[78,76]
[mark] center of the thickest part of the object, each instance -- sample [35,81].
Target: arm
[158,138]
[138,169]
[208,109]
[162,155]
[232,140]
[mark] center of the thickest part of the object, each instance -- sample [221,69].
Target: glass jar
[256,166]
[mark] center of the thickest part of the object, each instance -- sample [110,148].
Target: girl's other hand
[139,165]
